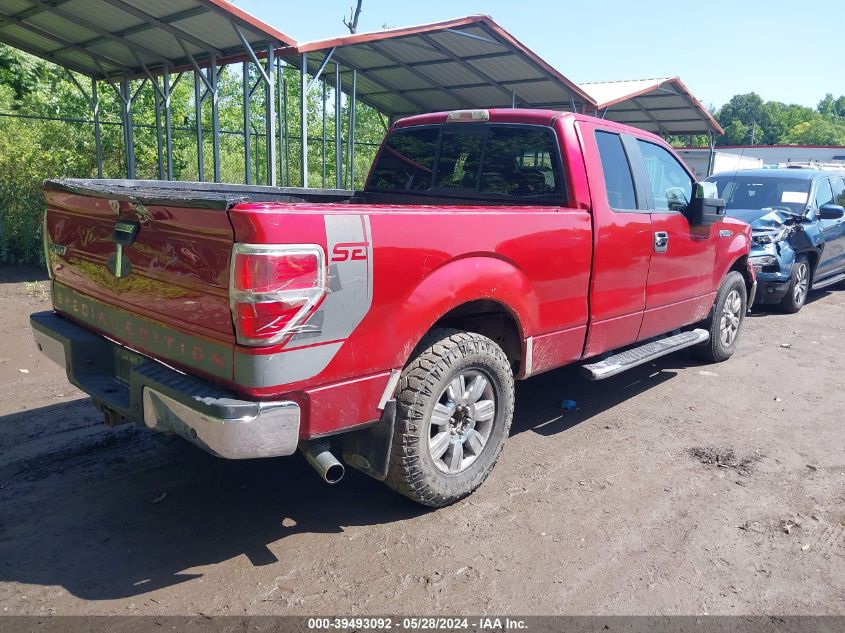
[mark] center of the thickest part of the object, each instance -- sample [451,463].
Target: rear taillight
[273,290]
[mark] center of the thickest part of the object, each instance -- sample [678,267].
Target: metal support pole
[513,98]
[128,127]
[325,88]
[98,140]
[168,125]
[303,122]
[198,114]
[270,116]
[352,104]
[712,142]
[338,130]
[157,95]
[287,134]
[281,128]
[215,119]
[247,127]
[257,154]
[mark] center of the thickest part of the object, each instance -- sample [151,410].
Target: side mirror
[830,212]
[706,207]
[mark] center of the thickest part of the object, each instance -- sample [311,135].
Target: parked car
[487,246]
[797,229]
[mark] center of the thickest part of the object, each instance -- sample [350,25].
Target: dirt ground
[677,488]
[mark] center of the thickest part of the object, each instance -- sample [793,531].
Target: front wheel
[799,286]
[725,320]
[454,409]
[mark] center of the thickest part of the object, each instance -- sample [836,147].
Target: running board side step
[636,356]
[824,283]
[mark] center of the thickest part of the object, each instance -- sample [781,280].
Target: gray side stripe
[350,296]
[350,257]
[283,368]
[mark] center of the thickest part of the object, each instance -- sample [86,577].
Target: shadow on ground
[11,274]
[116,513]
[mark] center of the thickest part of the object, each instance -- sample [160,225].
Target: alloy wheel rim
[799,293]
[462,421]
[731,318]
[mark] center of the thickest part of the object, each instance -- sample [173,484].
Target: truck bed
[207,195]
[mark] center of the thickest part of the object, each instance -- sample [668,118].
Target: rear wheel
[725,320]
[454,410]
[799,286]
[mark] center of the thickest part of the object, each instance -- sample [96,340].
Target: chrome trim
[272,433]
[389,388]
[647,352]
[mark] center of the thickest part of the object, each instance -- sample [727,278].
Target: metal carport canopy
[663,106]
[114,38]
[469,62]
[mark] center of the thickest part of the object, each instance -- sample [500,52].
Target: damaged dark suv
[798,232]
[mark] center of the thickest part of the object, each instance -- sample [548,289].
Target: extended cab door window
[618,181]
[671,185]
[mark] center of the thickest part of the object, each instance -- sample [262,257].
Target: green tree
[747,119]
[831,107]
[816,132]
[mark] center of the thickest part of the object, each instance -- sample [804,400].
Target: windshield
[763,193]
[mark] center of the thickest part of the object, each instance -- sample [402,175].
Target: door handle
[661,241]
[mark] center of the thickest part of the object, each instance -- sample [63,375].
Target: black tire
[717,349]
[799,286]
[442,357]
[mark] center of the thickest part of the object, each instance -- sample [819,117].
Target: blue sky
[782,50]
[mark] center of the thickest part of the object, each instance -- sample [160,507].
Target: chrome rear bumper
[166,400]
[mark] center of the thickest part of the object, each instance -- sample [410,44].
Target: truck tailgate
[174,288]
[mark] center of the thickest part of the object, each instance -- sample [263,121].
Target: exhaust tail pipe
[320,457]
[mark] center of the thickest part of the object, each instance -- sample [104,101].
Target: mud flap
[368,450]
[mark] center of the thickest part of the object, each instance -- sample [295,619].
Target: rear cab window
[406,162]
[497,162]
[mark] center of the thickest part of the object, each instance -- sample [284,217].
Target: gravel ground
[676,488]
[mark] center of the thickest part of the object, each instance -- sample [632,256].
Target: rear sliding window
[516,162]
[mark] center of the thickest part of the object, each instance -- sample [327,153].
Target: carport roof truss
[112,38]
[663,106]
[469,62]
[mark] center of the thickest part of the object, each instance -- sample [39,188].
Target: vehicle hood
[761,219]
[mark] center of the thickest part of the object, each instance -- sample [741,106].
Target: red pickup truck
[390,323]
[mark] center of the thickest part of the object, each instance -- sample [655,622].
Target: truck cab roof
[530,116]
